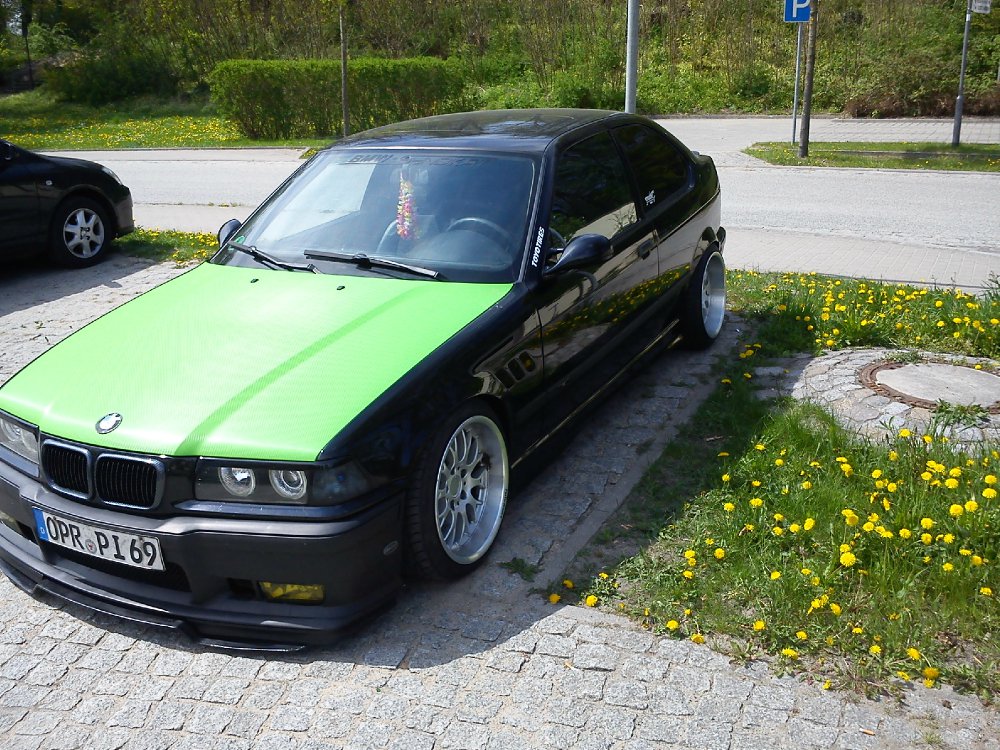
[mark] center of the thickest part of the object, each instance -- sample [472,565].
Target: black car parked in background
[70,209]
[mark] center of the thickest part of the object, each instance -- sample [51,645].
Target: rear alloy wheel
[80,233]
[705,304]
[458,496]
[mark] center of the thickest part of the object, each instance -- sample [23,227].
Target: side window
[591,193]
[660,169]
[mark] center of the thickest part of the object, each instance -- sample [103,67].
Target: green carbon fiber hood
[239,362]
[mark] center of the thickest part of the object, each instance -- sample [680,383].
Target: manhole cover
[924,384]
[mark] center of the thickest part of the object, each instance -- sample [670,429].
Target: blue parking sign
[797,11]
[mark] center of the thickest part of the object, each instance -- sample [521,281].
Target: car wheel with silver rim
[458,495]
[705,302]
[80,232]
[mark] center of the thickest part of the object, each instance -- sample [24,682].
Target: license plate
[116,546]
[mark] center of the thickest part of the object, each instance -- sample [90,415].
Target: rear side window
[591,193]
[660,168]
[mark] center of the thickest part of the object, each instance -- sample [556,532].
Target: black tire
[704,303]
[452,497]
[80,233]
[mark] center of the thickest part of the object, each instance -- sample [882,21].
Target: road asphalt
[907,226]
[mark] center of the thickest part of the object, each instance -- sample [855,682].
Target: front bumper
[209,588]
[124,218]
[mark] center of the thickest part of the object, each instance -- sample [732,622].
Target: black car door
[665,177]
[593,319]
[21,229]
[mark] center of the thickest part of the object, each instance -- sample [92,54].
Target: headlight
[19,437]
[270,484]
[112,175]
[237,481]
[291,485]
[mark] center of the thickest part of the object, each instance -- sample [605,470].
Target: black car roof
[522,130]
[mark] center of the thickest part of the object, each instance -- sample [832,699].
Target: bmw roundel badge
[108,422]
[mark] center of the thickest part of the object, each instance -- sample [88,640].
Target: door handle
[646,248]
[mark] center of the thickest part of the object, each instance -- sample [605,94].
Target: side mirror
[6,151]
[583,250]
[227,230]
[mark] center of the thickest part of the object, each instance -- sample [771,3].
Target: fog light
[302,593]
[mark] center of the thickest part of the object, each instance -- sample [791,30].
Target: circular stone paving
[876,392]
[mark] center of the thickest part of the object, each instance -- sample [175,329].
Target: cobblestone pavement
[483,663]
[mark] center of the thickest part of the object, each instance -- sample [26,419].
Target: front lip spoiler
[140,616]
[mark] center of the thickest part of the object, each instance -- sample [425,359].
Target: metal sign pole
[631,55]
[957,132]
[795,96]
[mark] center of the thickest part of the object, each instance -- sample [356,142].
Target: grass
[164,245]
[972,157]
[765,529]
[35,120]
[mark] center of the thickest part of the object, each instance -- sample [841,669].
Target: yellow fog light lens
[303,593]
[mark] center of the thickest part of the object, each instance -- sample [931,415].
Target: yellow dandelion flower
[554,598]
[951,483]
[756,502]
[931,673]
[725,477]
[847,559]
[689,574]
[926,538]
[904,433]
[986,591]
[927,523]
[801,635]
[728,507]
[807,485]
[976,560]
[775,575]
[913,653]
[971,506]
[947,567]
[835,608]
[759,625]
[719,553]
[990,479]
[698,638]
[893,456]
[874,649]
[568,583]
[603,576]
[989,493]
[777,531]
[673,624]
[905,533]
[956,510]
[590,601]
[790,653]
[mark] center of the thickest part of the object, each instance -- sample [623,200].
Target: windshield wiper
[369,261]
[269,260]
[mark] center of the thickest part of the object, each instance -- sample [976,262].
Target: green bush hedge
[102,77]
[295,98]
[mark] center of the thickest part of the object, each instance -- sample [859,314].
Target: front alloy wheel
[459,494]
[79,232]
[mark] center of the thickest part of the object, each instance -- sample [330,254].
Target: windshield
[461,216]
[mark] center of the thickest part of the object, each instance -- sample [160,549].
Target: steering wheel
[478,224]
[388,236]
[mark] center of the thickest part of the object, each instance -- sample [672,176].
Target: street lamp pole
[631,55]
[957,132]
